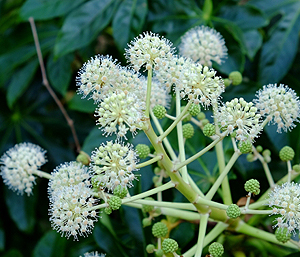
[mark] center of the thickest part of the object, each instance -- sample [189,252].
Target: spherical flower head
[20,164]
[240,117]
[216,249]
[245,146]
[115,202]
[114,163]
[169,245]
[209,130]
[150,248]
[188,130]
[70,210]
[233,211]
[286,153]
[159,229]
[285,202]
[120,112]
[252,186]
[235,77]
[280,105]
[194,109]
[159,111]
[148,208]
[94,254]
[142,150]
[159,95]
[203,45]
[120,191]
[149,50]
[69,174]
[97,76]
[282,235]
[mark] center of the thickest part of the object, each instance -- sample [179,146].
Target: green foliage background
[262,37]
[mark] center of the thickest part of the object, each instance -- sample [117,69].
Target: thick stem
[153,160]
[148,97]
[201,235]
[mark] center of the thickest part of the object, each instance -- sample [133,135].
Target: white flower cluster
[285,201]
[159,94]
[114,164]
[241,117]
[148,49]
[93,254]
[204,45]
[19,165]
[280,105]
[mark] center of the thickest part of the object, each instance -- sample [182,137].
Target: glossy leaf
[47,9]
[128,21]
[83,25]
[253,42]
[80,104]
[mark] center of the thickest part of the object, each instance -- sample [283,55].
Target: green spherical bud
[252,186]
[150,248]
[282,235]
[194,109]
[158,184]
[84,158]
[296,167]
[158,211]
[155,179]
[209,130]
[286,154]
[233,211]
[227,82]
[250,157]
[236,78]
[188,115]
[159,111]
[95,181]
[142,150]
[148,208]
[259,148]
[146,222]
[115,202]
[159,229]
[216,249]
[159,253]
[205,121]
[188,130]
[120,191]
[107,210]
[245,146]
[266,152]
[201,116]
[157,170]
[169,245]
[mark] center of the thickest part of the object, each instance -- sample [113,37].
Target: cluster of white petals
[114,163]
[159,94]
[148,49]
[71,211]
[19,165]
[240,117]
[94,254]
[204,45]
[280,105]
[285,201]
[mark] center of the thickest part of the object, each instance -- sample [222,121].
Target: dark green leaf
[128,21]
[253,42]
[20,81]
[13,253]
[59,72]
[183,238]
[278,140]
[279,51]
[82,105]
[47,9]
[2,240]
[84,24]
[50,245]
[21,209]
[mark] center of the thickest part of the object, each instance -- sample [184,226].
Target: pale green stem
[42,174]
[201,235]
[165,141]
[256,211]
[212,204]
[148,97]
[159,243]
[197,155]
[216,231]
[289,165]
[258,233]
[222,176]
[170,117]
[153,160]
[265,122]
[259,204]
[183,169]
[175,122]
[194,186]
[247,203]
[184,206]
[234,144]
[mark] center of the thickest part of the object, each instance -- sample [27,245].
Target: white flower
[285,201]
[71,210]
[159,94]
[93,254]
[280,104]
[68,174]
[148,49]
[20,164]
[241,117]
[114,163]
[120,112]
[204,45]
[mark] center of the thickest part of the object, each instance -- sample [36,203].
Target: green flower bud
[266,152]
[159,111]
[296,167]
[120,191]
[259,148]
[150,248]
[84,158]
[250,157]
[148,208]
[188,130]
[233,211]
[155,179]
[188,117]
[209,130]
[157,170]
[159,229]
[142,150]
[245,146]
[201,116]
[252,186]
[146,222]
[204,122]
[194,109]
[107,210]
[286,154]
[159,253]
[227,82]
[115,202]
[216,249]
[282,235]
[236,78]
[169,245]
[95,181]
